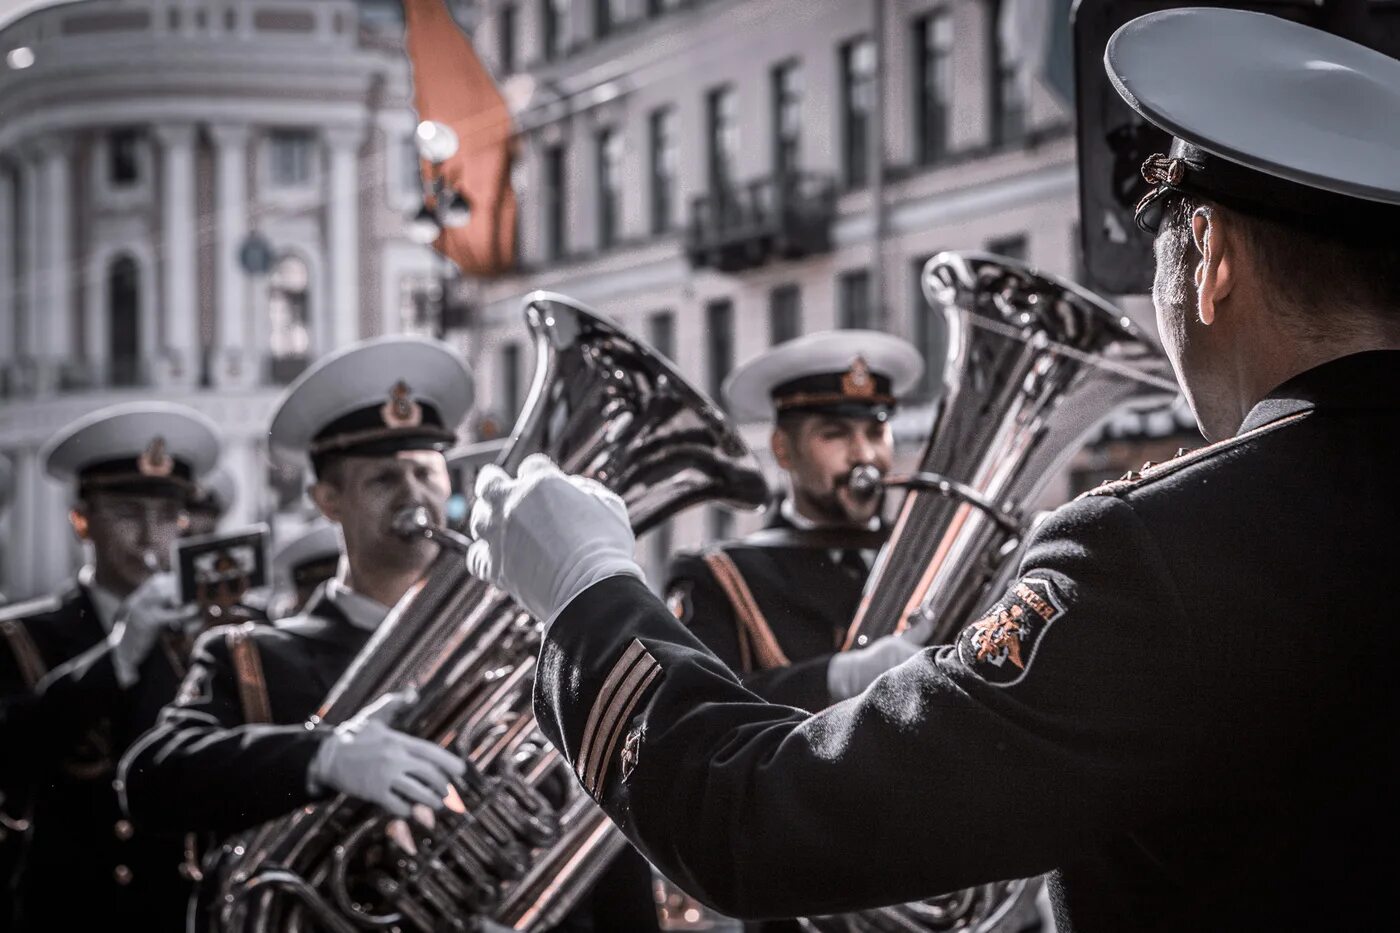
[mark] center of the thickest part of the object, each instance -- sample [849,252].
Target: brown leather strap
[30,662]
[247,665]
[753,627]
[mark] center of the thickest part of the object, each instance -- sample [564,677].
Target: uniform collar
[789,514]
[105,603]
[1366,380]
[359,610]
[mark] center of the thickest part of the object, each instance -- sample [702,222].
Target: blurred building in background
[722,176]
[197,198]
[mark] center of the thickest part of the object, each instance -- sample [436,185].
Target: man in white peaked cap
[1184,707]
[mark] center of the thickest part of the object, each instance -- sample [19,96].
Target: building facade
[721,176]
[197,198]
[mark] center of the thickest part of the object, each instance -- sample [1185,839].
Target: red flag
[451,86]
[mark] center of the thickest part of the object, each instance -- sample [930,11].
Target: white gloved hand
[368,759]
[850,672]
[545,536]
[149,610]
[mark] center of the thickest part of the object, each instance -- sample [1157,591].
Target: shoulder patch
[1000,646]
[678,599]
[1151,471]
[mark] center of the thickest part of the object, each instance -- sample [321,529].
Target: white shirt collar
[361,611]
[803,523]
[104,602]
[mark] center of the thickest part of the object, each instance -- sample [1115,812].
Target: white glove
[850,672]
[545,537]
[369,760]
[148,611]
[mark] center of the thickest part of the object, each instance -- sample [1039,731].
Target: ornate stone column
[53,322]
[233,364]
[31,267]
[9,270]
[179,256]
[343,235]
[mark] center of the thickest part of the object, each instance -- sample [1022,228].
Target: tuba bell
[519,841]
[1035,364]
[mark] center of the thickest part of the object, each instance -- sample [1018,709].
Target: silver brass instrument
[519,841]
[1035,363]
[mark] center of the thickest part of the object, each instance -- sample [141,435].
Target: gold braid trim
[753,627]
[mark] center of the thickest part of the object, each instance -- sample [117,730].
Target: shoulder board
[31,607]
[1154,471]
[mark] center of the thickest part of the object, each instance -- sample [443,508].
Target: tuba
[519,841]
[1035,364]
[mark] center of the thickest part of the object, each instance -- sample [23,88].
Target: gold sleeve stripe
[637,680]
[624,716]
[615,676]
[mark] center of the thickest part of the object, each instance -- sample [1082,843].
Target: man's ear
[781,444]
[1216,242]
[79,520]
[327,499]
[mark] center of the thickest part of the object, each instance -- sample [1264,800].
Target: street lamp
[444,208]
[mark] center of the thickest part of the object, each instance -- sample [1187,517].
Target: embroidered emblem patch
[155,460]
[401,411]
[678,601]
[1001,645]
[632,750]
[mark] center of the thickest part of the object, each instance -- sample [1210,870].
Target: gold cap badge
[155,460]
[857,382]
[401,411]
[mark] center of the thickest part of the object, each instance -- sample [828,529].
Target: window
[1012,247]
[723,117]
[1009,84]
[787,119]
[855,306]
[661,333]
[510,380]
[607,14]
[933,38]
[290,153]
[784,313]
[124,158]
[719,335]
[505,39]
[663,169]
[420,301]
[556,202]
[289,308]
[929,332]
[554,15]
[124,322]
[609,187]
[857,103]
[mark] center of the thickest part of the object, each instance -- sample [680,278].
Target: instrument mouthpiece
[865,482]
[412,522]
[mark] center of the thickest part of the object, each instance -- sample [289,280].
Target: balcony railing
[748,225]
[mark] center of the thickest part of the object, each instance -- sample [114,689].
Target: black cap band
[1190,170]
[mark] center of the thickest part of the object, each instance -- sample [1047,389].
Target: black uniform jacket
[1185,706]
[204,767]
[806,600]
[64,738]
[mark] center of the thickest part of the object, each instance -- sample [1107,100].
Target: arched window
[124,321]
[289,306]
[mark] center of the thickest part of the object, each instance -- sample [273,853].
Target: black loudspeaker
[1114,141]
